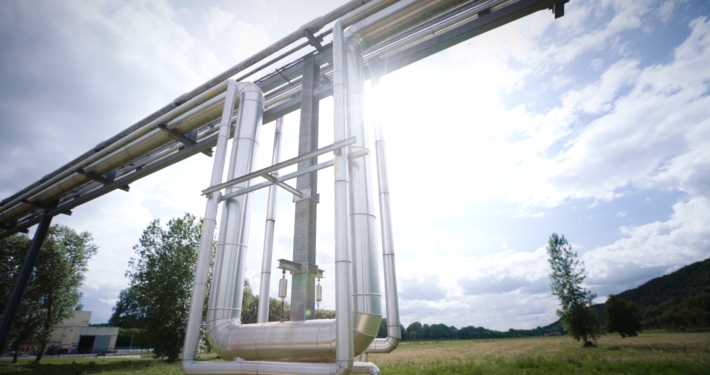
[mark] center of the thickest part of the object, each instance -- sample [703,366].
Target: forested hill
[691,280]
[680,300]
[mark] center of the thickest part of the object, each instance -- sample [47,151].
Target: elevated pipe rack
[369,39]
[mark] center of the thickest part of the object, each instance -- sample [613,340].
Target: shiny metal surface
[265,284]
[283,289]
[100,162]
[343,257]
[397,19]
[363,225]
[192,331]
[389,343]
[281,347]
[358,310]
[461,15]
[206,90]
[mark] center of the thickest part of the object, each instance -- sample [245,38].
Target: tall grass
[657,353]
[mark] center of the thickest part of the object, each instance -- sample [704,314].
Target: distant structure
[75,336]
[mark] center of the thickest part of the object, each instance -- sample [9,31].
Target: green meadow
[649,353]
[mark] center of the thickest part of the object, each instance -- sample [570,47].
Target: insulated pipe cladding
[311,346]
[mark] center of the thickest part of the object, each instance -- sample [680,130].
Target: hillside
[680,300]
[691,280]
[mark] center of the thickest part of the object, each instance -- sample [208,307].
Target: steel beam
[182,138]
[303,305]
[181,155]
[381,66]
[8,317]
[323,150]
[100,179]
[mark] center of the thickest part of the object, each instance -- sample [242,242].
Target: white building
[75,336]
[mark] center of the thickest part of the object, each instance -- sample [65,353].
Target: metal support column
[304,238]
[23,279]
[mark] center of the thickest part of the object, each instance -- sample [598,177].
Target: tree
[53,291]
[382,331]
[128,311]
[578,317]
[162,278]
[622,316]
[415,327]
[13,250]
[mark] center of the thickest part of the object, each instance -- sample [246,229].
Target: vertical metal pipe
[192,332]
[247,145]
[388,344]
[363,219]
[263,312]
[343,261]
[228,281]
[18,291]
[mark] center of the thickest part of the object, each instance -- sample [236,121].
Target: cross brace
[99,179]
[181,138]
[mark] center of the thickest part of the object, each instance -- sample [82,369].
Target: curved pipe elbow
[384,345]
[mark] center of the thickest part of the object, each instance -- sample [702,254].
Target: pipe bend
[384,345]
[244,87]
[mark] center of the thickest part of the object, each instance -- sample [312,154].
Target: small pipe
[192,332]
[390,343]
[263,312]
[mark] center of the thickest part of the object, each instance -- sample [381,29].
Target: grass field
[654,353]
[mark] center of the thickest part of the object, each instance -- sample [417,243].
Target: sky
[591,126]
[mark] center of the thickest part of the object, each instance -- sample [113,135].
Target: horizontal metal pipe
[468,13]
[397,19]
[527,7]
[297,341]
[273,368]
[323,150]
[153,139]
[284,178]
[135,134]
[213,83]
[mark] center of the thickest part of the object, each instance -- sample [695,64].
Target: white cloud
[111,302]
[650,250]
[231,39]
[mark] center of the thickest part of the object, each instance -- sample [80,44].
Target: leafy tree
[403,333]
[382,331]
[622,316]
[128,311]
[414,331]
[250,304]
[131,337]
[162,277]
[59,273]
[53,291]
[324,314]
[28,319]
[425,333]
[578,317]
